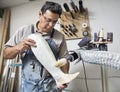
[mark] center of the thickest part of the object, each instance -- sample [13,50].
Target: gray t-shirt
[33,72]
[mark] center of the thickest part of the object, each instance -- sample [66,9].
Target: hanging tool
[81,8]
[67,30]
[68,10]
[73,29]
[66,33]
[74,7]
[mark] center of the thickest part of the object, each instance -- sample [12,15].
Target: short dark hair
[52,6]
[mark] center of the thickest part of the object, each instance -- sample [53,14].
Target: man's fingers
[30,42]
[63,86]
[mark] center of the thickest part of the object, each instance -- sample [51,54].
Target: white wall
[102,14]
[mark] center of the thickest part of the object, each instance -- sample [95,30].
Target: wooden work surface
[80,18]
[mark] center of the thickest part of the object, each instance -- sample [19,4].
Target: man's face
[47,21]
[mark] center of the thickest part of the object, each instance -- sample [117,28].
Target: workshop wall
[102,14]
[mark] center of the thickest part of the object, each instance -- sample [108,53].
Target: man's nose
[51,24]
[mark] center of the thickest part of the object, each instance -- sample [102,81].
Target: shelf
[104,42]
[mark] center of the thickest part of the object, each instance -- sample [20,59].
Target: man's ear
[40,13]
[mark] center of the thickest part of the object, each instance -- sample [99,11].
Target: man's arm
[63,53]
[65,68]
[10,52]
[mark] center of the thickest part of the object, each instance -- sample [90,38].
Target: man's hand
[63,86]
[25,44]
[12,51]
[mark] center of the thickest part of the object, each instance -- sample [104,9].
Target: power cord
[85,76]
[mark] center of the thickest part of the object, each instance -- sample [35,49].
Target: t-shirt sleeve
[20,34]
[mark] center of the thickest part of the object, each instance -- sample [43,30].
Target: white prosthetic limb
[45,56]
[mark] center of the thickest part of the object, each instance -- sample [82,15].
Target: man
[35,77]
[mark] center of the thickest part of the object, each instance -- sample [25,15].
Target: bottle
[101,35]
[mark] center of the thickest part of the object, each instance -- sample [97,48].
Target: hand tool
[65,5]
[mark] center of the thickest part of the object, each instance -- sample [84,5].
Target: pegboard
[73,28]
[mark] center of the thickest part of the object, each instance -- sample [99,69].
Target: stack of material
[7,72]
[4,34]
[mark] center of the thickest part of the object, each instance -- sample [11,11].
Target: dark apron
[33,77]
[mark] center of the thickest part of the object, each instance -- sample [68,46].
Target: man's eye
[49,20]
